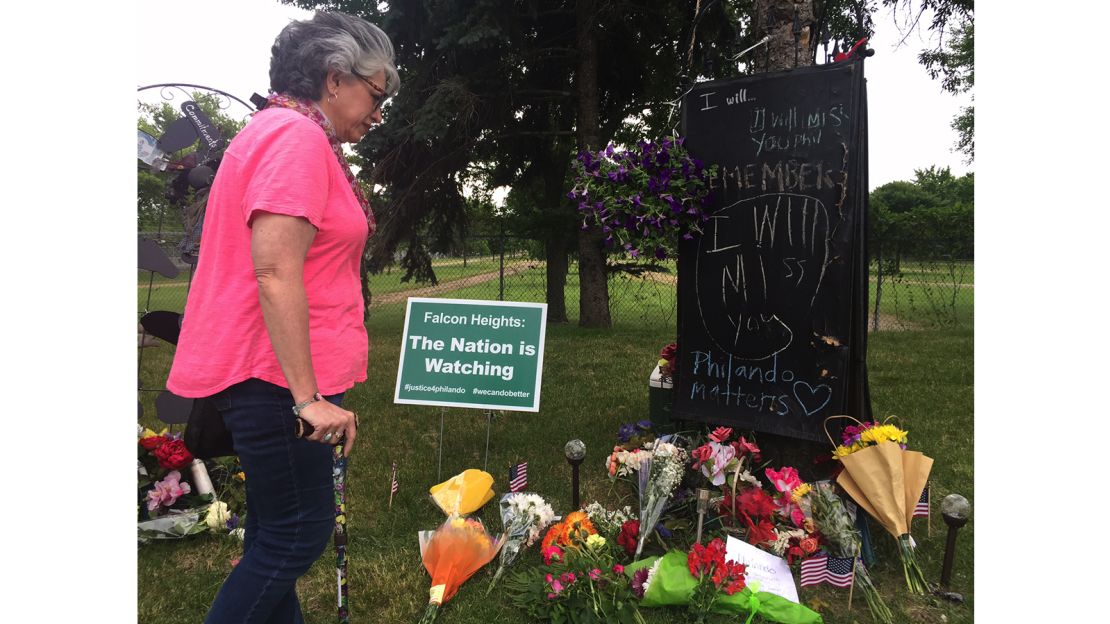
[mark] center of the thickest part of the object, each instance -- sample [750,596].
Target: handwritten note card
[771,572]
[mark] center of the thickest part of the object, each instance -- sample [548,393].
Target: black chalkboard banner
[772,312]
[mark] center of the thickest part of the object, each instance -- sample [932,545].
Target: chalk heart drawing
[809,396]
[761,262]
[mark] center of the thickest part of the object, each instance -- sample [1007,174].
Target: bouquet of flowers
[581,584]
[623,462]
[843,540]
[608,522]
[169,505]
[865,434]
[524,517]
[643,199]
[790,489]
[676,578]
[177,494]
[574,530]
[452,554]
[726,463]
[714,575]
[660,472]
[886,480]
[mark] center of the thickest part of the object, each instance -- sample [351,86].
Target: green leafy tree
[493,96]
[931,216]
[505,92]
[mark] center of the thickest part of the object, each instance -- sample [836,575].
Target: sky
[226,45]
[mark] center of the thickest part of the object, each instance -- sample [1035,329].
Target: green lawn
[593,381]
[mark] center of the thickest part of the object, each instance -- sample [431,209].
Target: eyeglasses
[380,97]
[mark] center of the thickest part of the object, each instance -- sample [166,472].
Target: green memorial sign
[468,353]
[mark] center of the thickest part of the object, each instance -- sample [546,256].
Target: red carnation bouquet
[714,574]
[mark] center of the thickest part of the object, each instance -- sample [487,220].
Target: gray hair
[304,52]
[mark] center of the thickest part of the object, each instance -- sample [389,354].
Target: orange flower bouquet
[453,553]
[562,535]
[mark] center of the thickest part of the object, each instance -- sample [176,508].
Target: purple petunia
[625,433]
[643,197]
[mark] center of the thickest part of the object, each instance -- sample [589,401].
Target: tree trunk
[593,303]
[555,248]
[557,236]
[780,49]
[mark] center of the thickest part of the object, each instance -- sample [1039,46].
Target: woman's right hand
[325,417]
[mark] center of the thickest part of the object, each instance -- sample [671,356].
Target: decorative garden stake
[575,451]
[339,479]
[703,506]
[955,510]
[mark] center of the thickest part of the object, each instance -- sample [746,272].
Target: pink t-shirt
[280,163]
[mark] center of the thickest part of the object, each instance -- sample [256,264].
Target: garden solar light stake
[955,510]
[575,450]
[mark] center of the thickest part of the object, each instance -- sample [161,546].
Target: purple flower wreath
[643,199]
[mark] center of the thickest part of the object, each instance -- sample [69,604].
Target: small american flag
[393,486]
[518,477]
[823,568]
[922,507]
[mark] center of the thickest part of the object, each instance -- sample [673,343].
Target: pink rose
[784,480]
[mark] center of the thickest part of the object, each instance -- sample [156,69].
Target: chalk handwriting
[731,382]
[777,232]
[784,176]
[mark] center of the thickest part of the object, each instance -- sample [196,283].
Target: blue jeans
[290,505]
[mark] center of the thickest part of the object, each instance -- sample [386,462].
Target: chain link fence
[921,284]
[914,285]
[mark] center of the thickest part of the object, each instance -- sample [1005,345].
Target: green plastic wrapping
[672,585]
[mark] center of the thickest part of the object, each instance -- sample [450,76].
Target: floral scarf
[308,109]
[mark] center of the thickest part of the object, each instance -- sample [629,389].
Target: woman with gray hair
[273,327]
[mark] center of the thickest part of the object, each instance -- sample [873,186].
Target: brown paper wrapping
[886,482]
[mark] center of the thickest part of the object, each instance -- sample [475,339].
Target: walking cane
[339,476]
